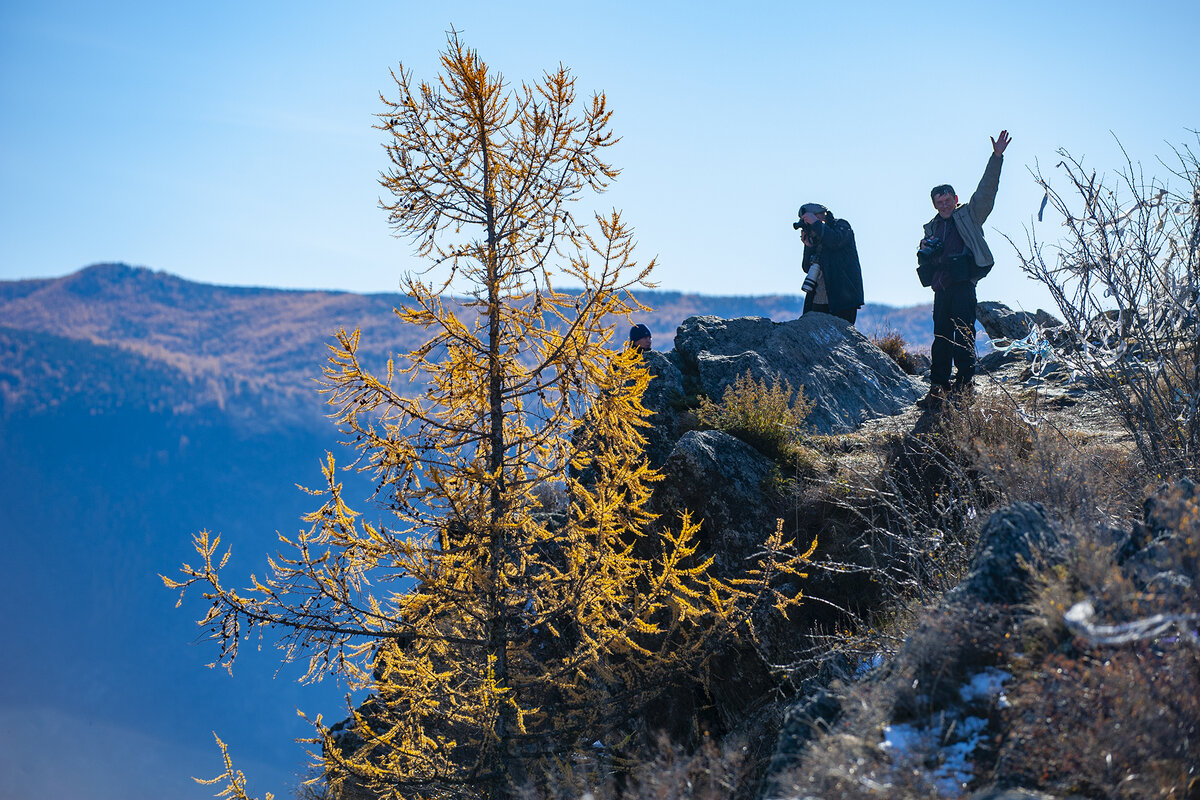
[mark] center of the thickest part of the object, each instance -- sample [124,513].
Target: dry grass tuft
[768,416]
[894,346]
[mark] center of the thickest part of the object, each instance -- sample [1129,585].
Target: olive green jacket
[969,218]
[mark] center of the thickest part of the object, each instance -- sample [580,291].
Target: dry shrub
[922,685]
[1121,723]
[769,417]
[941,654]
[896,517]
[1124,277]
[917,515]
[990,423]
[712,772]
[849,767]
[1123,720]
[1040,463]
[894,346]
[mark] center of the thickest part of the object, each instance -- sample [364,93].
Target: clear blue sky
[232,142]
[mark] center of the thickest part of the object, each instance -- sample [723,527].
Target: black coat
[837,254]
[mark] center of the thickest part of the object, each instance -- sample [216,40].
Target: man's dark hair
[943,188]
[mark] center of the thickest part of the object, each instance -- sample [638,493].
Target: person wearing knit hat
[639,337]
[833,281]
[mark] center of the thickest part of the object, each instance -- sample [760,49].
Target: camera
[810,280]
[812,233]
[930,249]
[816,209]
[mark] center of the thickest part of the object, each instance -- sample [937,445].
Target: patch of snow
[909,743]
[986,686]
[944,746]
[956,771]
[904,740]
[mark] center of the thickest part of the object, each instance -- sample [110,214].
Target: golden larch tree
[496,636]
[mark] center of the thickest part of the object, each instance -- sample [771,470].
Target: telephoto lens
[810,280]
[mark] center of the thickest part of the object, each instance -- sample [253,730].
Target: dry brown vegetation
[892,343]
[1097,720]
[1126,280]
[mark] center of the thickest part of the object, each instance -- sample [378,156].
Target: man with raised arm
[952,257]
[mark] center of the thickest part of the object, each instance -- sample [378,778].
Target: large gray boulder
[721,481]
[1015,543]
[848,378]
[664,398]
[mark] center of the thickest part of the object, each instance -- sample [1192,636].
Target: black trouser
[848,314]
[953,334]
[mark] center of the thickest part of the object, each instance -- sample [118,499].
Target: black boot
[938,393]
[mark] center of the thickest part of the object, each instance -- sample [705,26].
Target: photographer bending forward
[952,258]
[834,277]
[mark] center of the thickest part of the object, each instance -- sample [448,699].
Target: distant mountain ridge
[112,335]
[247,353]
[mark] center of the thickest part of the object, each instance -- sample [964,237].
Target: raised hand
[1000,143]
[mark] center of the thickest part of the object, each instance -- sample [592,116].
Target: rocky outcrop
[665,399]
[1000,322]
[720,480]
[725,483]
[1014,543]
[847,377]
